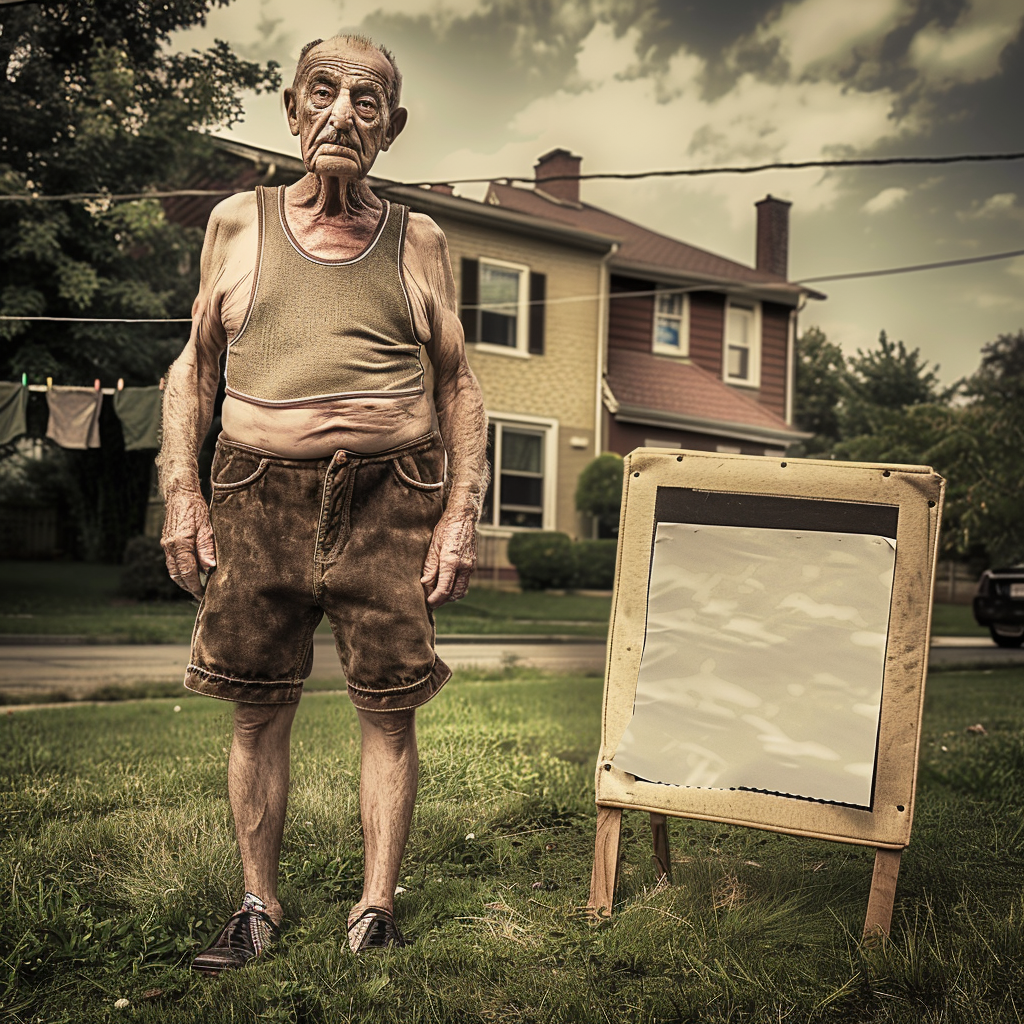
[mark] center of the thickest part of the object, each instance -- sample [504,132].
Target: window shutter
[468,312]
[538,293]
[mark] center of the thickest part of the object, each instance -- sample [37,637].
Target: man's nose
[341,112]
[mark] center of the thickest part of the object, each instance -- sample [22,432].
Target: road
[33,670]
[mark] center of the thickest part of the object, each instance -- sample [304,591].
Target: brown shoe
[374,928]
[247,935]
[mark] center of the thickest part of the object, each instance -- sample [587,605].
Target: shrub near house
[552,560]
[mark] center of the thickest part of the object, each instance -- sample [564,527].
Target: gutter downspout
[791,358]
[603,317]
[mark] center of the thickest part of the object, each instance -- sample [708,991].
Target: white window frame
[521,348]
[753,380]
[550,487]
[684,326]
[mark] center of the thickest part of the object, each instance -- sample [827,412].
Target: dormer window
[671,323]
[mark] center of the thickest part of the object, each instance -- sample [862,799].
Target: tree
[599,492]
[94,102]
[881,380]
[821,378]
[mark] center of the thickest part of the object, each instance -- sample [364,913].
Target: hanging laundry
[13,403]
[74,416]
[139,412]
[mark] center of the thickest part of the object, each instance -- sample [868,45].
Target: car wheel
[1006,641]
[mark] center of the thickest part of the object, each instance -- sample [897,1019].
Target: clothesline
[74,413]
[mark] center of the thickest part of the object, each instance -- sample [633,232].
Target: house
[699,348]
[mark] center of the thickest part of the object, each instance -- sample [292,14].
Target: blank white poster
[763,660]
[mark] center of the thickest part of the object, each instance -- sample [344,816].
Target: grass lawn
[62,598]
[117,861]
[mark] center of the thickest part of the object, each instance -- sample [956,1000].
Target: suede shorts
[298,539]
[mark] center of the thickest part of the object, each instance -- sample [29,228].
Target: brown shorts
[298,538]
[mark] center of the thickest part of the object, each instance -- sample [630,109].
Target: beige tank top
[321,329]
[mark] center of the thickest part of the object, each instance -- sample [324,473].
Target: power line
[686,172]
[911,269]
[597,295]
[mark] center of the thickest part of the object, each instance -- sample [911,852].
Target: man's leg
[387,794]
[258,790]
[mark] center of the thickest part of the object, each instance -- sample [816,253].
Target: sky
[633,85]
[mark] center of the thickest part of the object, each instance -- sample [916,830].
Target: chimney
[773,235]
[558,161]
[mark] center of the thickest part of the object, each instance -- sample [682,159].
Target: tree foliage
[95,101]
[890,408]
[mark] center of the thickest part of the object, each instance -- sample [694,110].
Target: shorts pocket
[234,470]
[419,473]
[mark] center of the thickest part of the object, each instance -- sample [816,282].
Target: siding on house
[631,320]
[774,345]
[560,384]
[707,329]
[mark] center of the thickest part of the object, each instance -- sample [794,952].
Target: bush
[599,492]
[595,564]
[543,560]
[145,576]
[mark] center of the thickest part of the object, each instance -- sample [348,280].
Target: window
[518,494]
[742,361]
[671,323]
[503,306]
[501,295]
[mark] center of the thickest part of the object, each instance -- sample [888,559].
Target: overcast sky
[644,84]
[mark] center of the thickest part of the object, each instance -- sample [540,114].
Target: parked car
[999,604]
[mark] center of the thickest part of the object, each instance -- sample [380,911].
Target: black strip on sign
[773,512]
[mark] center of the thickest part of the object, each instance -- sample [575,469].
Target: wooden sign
[767,652]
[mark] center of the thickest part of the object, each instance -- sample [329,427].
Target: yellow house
[533,301]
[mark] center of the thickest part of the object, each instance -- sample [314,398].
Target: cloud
[886,200]
[816,35]
[620,120]
[1000,207]
[968,50]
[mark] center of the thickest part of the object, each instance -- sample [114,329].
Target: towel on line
[74,416]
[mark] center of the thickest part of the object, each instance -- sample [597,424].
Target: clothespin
[120,383]
[161,383]
[96,383]
[49,383]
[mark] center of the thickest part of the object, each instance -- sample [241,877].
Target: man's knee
[396,728]
[255,722]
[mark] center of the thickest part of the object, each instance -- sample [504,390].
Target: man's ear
[291,110]
[396,122]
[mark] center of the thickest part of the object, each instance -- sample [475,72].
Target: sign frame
[916,493]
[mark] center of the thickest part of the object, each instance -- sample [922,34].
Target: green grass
[117,860]
[955,620]
[76,599]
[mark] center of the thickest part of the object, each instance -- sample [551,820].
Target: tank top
[320,329]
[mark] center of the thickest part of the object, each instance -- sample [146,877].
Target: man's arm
[460,418]
[187,413]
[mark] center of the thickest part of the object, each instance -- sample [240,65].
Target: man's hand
[451,558]
[188,540]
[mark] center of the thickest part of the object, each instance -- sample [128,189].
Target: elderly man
[339,486]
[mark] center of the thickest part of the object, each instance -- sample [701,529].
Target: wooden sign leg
[883,893]
[606,861]
[662,854]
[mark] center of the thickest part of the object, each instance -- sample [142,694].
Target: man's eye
[366,105]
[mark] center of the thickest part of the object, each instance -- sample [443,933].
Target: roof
[681,394]
[644,251]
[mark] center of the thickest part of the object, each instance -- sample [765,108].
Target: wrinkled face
[339,109]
